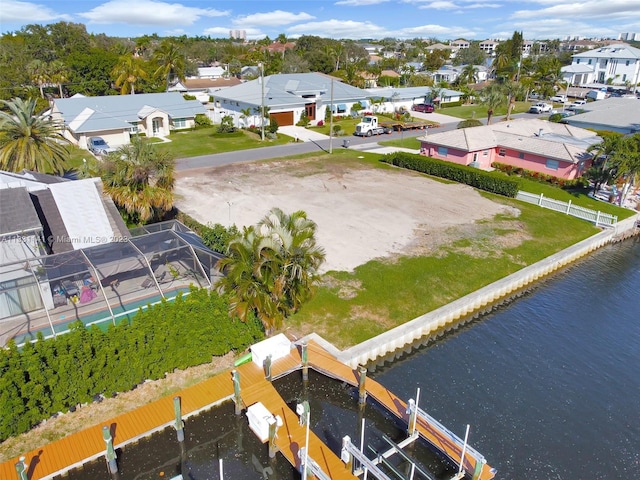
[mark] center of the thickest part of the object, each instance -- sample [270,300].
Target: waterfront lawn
[478,111]
[205,141]
[355,306]
[577,197]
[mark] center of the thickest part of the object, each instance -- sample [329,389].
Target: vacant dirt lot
[362,213]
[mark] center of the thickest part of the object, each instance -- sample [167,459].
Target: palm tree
[139,178]
[245,114]
[170,61]
[492,97]
[127,72]
[40,74]
[604,165]
[469,74]
[31,140]
[59,74]
[271,269]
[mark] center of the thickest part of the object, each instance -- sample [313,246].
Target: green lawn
[480,111]
[353,307]
[206,141]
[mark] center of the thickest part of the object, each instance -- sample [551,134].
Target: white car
[558,99]
[543,107]
[98,146]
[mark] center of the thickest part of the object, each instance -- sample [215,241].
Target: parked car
[98,146]
[544,107]
[577,105]
[558,98]
[423,107]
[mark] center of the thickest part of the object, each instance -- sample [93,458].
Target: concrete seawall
[451,315]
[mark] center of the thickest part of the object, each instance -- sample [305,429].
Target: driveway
[302,134]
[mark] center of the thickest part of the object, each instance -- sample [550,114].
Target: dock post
[267,368]
[272,437]
[412,411]
[305,363]
[21,468]
[111,453]
[237,399]
[361,385]
[345,455]
[179,424]
[302,409]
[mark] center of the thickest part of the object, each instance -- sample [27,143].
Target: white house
[618,64]
[288,96]
[116,117]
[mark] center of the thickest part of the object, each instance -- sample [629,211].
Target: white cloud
[272,19]
[340,29]
[437,31]
[27,13]
[359,3]
[483,5]
[148,12]
[439,5]
[589,9]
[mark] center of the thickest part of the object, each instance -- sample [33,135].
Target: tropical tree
[605,166]
[127,72]
[271,269]
[170,62]
[245,113]
[139,178]
[30,139]
[469,74]
[493,97]
[59,74]
[39,72]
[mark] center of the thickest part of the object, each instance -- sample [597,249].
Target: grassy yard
[480,111]
[355,306]
[207,141]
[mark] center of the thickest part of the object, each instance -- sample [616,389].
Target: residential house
[489,46]
[215,71]
[66,255]
[115,118]
[612,114]
[460,43]
[288,96]
[204,88]
[391,99]
[537,145]
[440,46]
[617,64]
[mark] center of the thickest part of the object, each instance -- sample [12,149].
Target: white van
[596,94]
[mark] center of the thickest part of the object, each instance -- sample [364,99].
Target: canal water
[550,384]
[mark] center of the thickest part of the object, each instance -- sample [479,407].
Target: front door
[156,126]
[310,110]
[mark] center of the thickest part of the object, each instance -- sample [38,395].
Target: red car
[422,107]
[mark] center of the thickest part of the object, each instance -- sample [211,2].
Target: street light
[261,65]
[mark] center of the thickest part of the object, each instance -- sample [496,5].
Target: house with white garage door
[287,97]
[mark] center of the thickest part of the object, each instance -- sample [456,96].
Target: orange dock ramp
[323,362]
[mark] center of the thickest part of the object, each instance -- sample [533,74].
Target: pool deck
[87,445]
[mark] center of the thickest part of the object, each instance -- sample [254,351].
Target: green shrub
[226,125]
[57,374]
[201,120]
[541,177]
[273,126]
[304,120]
[451,104]
[471,122]
[488,181]
[216,237]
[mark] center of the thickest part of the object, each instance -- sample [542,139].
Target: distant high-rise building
[629,36]
[238,34]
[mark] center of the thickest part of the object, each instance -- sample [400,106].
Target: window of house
[502,152]
[624,77]
[521,155]
[442,151]
[589,61]
[627,63]
[134,128]
[485,153]
[578,61]
[180,122]
[552,164]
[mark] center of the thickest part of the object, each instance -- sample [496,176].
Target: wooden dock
[74,450]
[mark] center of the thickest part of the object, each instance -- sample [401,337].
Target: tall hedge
[488,181]
[55,375]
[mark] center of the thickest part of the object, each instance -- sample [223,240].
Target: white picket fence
[599,218]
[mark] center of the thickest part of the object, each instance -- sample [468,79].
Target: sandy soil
[362,213]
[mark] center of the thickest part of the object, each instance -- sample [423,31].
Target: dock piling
[179,424]
[111,453]
[305,363]
[361,385]
[237,399]
[21,468]
[267,367]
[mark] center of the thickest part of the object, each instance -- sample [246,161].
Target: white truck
[369,126]
[596,95]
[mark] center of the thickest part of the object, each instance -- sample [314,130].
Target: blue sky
[355,19]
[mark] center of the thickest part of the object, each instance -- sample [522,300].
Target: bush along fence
[488,181]
[597,217]
[56,375]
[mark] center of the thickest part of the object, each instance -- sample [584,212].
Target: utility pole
[261,65]
[331,122]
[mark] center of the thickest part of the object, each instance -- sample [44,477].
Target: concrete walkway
[302,134]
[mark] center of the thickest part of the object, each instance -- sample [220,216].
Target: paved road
[292,149]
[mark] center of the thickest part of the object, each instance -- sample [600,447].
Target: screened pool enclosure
[101,285]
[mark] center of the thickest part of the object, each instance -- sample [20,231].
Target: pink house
[538,145]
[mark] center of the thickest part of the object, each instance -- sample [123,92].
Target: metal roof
[620,50]
[92,114]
